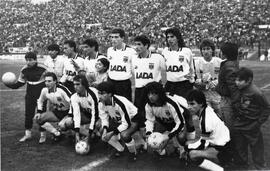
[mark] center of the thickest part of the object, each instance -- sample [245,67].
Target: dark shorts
[122,88]
[60,114]
[179,88]
[225,153]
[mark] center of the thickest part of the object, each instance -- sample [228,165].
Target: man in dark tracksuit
[32,74]
[252,111]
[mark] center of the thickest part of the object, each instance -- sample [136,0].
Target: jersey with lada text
[178,64]
[120,63]
[148,69]
[69,69]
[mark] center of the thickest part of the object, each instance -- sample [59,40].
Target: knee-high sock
[209,165]
[114,141]
[131,146]
[50,128]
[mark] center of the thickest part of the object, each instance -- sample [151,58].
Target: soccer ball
[82,147]
[9,78]
[155,140]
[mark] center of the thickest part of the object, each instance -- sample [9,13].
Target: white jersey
[179,64]
[120,63]
[213,129]
[148,69]
[121,110]
[69,69]
[169,114]
[204,67]
[89,64]
[55,65]
[87,104]
[58,100]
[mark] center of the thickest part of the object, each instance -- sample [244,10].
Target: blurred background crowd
[23,23]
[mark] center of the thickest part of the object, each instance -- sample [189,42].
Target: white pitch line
[264,87]
[7,90]
[93,164]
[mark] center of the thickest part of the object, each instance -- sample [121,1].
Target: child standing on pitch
[31,74]
[253,110]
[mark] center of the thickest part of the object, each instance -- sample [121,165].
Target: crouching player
[165,114]
[118,119]
[58,102]
[212,149]
[84,109]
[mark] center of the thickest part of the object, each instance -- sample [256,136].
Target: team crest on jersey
[181,58]
[216,69]
[135,67]
[125,59]
[58,99]
[110,57]
[151,65]
[167,113]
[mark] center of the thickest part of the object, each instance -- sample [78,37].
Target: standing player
[207,69]
[54,62]
[58,103]
[120,56]
[32,75]
[117,119]
[212,149]
[90,48]
[179,63]
[147,67]
[72,65]
[165,114]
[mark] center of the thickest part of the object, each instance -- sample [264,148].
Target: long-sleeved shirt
[121,110]
[87,104]
[213,129]
[59,99]
[169,114]
[253,109]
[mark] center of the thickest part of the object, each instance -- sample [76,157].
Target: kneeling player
[165,114]
[58,102]
[84,107]
[117,115]
[213,147]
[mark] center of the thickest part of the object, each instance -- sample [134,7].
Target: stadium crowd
[38,25]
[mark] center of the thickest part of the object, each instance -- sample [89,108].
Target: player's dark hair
[82,79]
[72,44]
[31,55]
[54,47]
[120,31]
[143,39]
[197,96]
[245,74]
[51,74]
[106,86]
[230,50]
[105,63]
[176,32]
[91,43]
[155,88]
[208,43]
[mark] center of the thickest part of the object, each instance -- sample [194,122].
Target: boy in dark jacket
[252,111]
